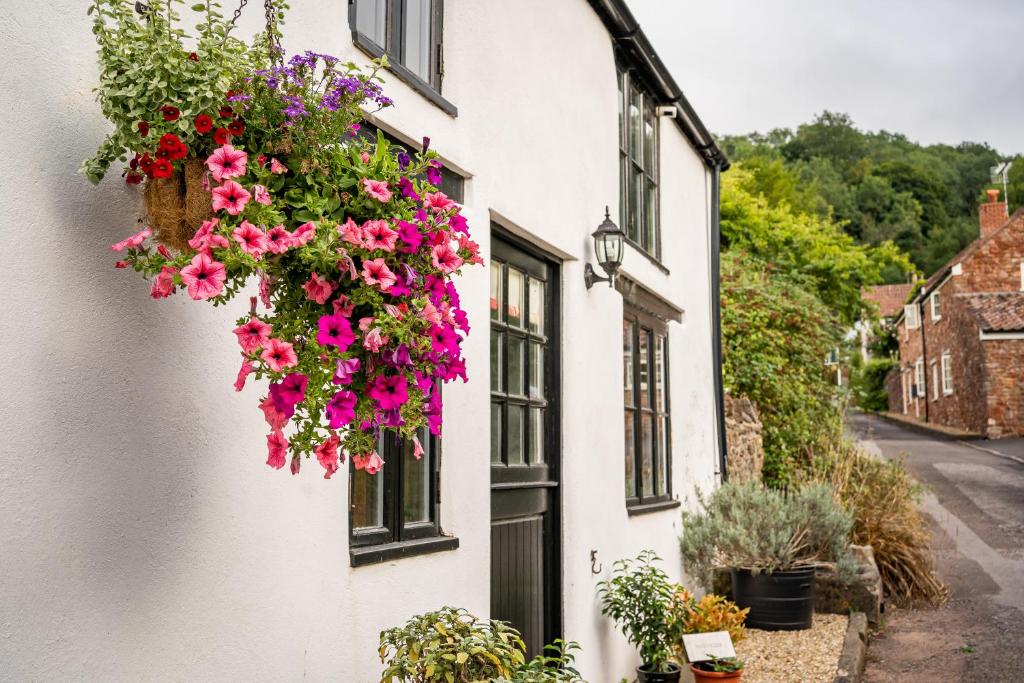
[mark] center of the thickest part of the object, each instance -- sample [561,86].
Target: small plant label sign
[700,647]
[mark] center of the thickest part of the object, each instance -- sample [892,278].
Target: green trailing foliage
[750,526]
[867,382]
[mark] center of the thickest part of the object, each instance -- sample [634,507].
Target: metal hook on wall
[595,568]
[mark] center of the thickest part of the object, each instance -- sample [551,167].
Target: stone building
[961,337]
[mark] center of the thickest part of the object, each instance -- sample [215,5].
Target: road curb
[855,650]
[926,428]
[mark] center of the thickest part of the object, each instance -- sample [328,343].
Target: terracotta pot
[646,676]
[701,676]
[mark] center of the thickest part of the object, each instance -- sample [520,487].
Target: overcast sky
[935,70]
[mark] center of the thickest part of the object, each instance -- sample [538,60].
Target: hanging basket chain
[273,37]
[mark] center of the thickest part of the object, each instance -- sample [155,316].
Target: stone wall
[894,390]
[743,434]
[1004,367]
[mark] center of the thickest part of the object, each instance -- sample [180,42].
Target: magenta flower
[226,162]
[335,330]
[253,240]
[277,449]
[437,201]
[253,335]
[444,340]
[327,454]
[406,187]
[458,224]
[288,392]
[345,370]
[163,283]
[411,235]
[445,258]
[376,272]
[279,355]
[390,392]
[230,197]
[379,235]
[341,409]
[303,234]
[204,277]
[318,289]
[133,242]
[378,189]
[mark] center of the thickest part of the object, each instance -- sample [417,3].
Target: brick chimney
[992,214]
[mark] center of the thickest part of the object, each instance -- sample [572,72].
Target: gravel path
[808,656]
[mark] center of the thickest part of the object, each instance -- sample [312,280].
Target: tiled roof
[890,298]
[997,311]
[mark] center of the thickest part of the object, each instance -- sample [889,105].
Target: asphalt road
[974,501]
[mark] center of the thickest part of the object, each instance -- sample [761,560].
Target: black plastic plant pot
[780,601]
[645,675]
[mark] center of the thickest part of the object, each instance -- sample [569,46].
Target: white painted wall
[141,535]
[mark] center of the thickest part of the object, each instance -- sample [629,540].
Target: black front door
[525,549]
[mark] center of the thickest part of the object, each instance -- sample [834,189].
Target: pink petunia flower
[279,355]
[260,195]
[230,197]
[277,167]
[364,157]
[417,448]
[253,335]
[445,258]
[296,464]
[378,189]
[318,289]
[226,162]
[345,370]
[335,330]
[274,417]
[472,247]
[370,462]
[327,454]
[341,409]
[430,313]
[342,304]
[379,235]
[243,372]
[133,242]
[204,277]
[278,240]
[253,240]
[303,234]
[437,201]
[163,283]
[374,340]
[351,232]
[277,449]
[289,392]
[264,287]
[376,272]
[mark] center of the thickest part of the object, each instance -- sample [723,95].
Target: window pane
[496,432]
[536,370]
[647,454]
[536,288]
[645,384]
[536,435]
[497,382]
[627,361]
[515,297]
[623,193]
[630,455]
[636,198]
[622,135]
[497,296]
[662,454]
[416,480]
[516,347]
[651,218]
[659,373]
[371,20]
[515,435]
[367,500]
[649,163]
[416,35]
[634,124]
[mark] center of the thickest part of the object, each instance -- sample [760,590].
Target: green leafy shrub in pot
[748,526]
[554,665]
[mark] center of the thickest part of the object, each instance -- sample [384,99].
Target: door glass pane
[659,373]
[662,453]
[536,288]
[630,455]
[627,361]
[645,385]
[497,310]
[516,347]
[515,435]
[536,369]
[496,432]
[416,38]
[416,480]
[371,20]
[536,453]
[515,297]
[497,382]
[647,454]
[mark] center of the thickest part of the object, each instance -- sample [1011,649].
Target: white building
[141,535]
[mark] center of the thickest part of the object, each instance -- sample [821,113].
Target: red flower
[120,264]
[170,113]
[171,147]
[261,159]
[146,163]
[143,128]
[226,112]
[193,56]
[204,124]
[162,168]
[133,178]
[163,251]
[221,136]
[236,127]
[168,140]
[134,163]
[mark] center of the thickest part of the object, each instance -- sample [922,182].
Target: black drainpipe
[716,319]
[924,358]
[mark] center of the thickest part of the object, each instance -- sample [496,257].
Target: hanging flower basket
[357,322]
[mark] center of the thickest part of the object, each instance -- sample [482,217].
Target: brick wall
[1004,368]
[910,351]
[995,266]
[956,332]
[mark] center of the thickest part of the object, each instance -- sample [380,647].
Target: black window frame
[395,12]
[395,537]
[632,160]
[643,322]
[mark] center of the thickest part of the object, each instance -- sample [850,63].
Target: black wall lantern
[608,247]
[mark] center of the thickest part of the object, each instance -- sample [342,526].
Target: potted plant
[771,541]
[638,598]
[715,669]
[709,614]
